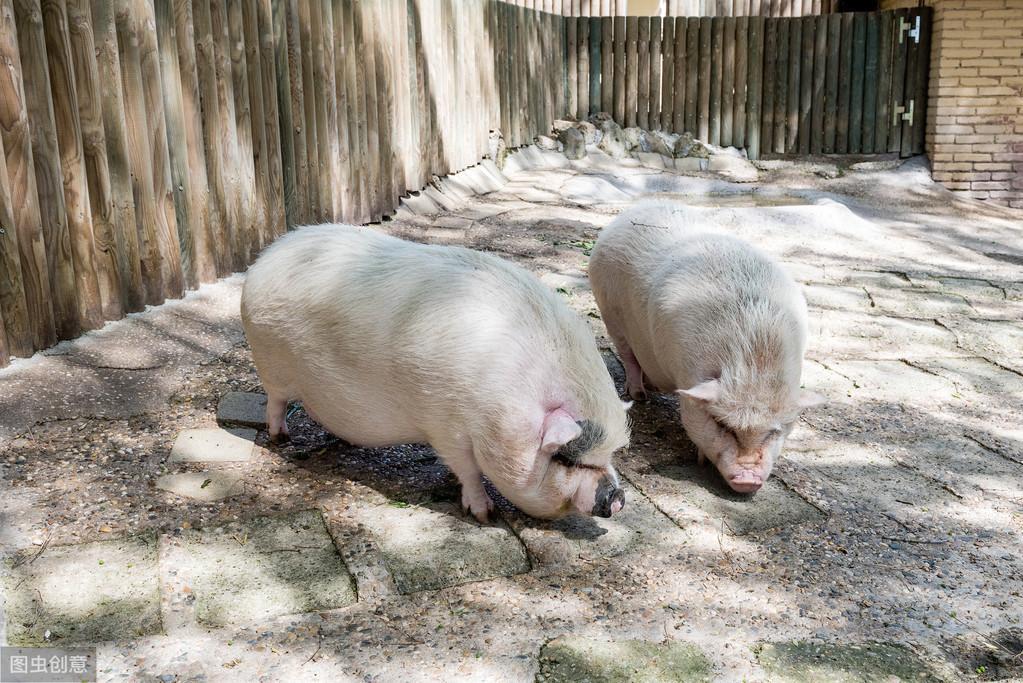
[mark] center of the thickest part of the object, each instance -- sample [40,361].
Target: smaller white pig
[388,342]
[714,320]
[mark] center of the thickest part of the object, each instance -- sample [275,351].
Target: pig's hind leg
[633,372]
[460,460]
[277,417]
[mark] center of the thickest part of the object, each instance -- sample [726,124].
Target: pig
[714,320]
[388,342]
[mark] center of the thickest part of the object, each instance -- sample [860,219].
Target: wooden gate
[849,83]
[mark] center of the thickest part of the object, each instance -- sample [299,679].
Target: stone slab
[570,659]
[578,538]
[802,662]
[85,593]
[427,547]
[918,303]
[205,486]
[265,567]
[242,408]
[846,334]
[688,492]
[213,445]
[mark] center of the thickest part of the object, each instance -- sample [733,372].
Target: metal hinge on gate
[904,114]
[910,29]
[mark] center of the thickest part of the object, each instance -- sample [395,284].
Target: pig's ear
[559,429]
[704,391]
[626,405]
[809,399]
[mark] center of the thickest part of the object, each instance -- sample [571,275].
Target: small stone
[205,486]
[213,445]
[242,408]
[574,142]
[547,143]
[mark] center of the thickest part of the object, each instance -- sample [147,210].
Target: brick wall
[975,108]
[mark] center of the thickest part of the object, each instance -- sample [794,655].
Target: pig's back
[384,339]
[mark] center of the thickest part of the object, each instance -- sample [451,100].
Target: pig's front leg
[633,372]
[461,461]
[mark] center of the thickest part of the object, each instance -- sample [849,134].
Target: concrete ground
[887,545]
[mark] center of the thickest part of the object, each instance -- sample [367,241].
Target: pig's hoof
[280,438]
[637,393]
[479,506]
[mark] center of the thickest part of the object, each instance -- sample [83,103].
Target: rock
[690,164]
[265,567]
[662,143]
[206,486]
[612,140]
[242,408]
[651,160]
[547,143]
[589,132]
[635,140]
[688,146]
[435,546]
[213,445]
[588,190]
[561,124]
[575,658]
[802,662]
[574,142]
[599,118]
[85,593]
[733,168]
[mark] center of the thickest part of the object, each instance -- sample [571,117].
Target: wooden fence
[148,146]
[749,8]
[850,83]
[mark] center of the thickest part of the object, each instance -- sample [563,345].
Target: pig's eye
[725,428]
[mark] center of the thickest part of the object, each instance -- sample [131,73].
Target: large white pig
[387,342]
[713,319]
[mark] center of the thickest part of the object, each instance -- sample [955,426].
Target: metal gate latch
[904,114]
[905,29]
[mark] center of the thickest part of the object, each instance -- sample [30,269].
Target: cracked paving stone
[844,334]
[802,662]
[84,593]
[569,659]
[919,303]
[588,539]
[426,547]
[265,567]
[242,408]
[206,486]
[895,381]
[213,445]
[689,492]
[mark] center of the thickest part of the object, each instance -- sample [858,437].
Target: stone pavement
[144,512]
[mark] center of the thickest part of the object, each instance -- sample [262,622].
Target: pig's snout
[746,481]
[610,498]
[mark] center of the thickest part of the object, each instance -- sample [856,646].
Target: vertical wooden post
[608,56]
[258,101]
[741,81]
[620,40]
[250,208]
[27,222]
[632,71]
[668,76]
[15,326]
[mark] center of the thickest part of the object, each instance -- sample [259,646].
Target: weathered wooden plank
[755,68]
[741,81]
[655,107]
[643,55]
[704,83]
[325,177]
[668,74]
[304,57]
[167,47]
[872,56]
[781,85]
[257,119]
[245,168]
[94,156]
[595,63]
[607,60]
[795,74]
[116,151]
[282,72]
[620,69]
[237,217]
[346,136]
[770,84]
[820,72]
[856,96]
[213,133]
[883,116]
[923,52]
[276,217]
[582,83]
[46,166]
[572,33]
[681,83]
[385,110]
[366,40]
[204,221]
[898,99]
[728,81]
[140,153]
[834,43]
[632,70]
[15,325]
[808,37]
[844,84]
[716,77]
[692,108]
